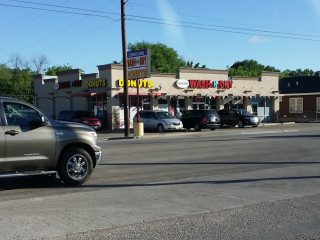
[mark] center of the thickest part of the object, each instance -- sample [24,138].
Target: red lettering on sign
[143,61]
[193,83]
[221,84]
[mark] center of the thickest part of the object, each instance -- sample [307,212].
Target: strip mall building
[102,93]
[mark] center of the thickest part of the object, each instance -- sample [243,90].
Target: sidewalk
[118,134]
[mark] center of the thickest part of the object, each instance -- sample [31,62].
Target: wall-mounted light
[67,98]
[84,98]
[50,99]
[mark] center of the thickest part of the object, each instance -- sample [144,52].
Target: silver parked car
[160,121]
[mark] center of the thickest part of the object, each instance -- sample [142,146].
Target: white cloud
[256,39]
[316,6]
[171,17]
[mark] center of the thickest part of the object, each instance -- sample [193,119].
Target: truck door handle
[12,132]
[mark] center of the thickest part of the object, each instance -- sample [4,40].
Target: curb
[276,124]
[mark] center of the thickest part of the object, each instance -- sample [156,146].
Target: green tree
[249,68]
[197,65]
[297,73]
[22,84]
[5,80]
[16,83]
[52,71]
[163,58]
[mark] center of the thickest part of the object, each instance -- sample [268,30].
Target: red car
[83,117]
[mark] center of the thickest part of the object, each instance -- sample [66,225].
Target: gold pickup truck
[32,143]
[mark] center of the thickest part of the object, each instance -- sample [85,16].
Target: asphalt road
[252,183]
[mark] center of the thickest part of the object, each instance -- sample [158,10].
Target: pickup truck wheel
[197,127]
[75,167]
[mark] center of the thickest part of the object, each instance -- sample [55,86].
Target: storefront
[300,100]
[102,93]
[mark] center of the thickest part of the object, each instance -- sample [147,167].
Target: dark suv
[83,117]
[33,144]
[200,119]
[240,117]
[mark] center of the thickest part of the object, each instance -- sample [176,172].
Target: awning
[88,94]
[142,94]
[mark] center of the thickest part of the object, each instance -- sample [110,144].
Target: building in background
[301,99]
[102,93]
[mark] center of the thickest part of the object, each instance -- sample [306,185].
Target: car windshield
[212,113]
[242,112]
[164,115]
[83,114]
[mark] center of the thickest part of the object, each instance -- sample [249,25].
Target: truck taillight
[204,119]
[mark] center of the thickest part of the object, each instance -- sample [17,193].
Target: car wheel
[160,128]
[212,129]
[240,124]
[75,167]
[197,127]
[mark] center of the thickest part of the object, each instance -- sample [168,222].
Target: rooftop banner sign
[139,64]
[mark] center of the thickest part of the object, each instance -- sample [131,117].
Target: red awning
[142,94]
[88,94]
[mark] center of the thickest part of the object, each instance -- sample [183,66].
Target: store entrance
[98,106]
[199,105]
[146,106]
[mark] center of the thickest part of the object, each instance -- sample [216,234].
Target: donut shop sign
[139,64]
[195,84]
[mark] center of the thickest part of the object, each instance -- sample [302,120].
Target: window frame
[25,107]
[318,104]
[294,105]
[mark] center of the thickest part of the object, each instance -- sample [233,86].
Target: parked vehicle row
[156,120]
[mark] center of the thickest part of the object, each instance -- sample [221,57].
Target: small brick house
[300,101]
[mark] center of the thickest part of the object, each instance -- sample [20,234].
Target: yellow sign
[100,83]
[137,73]
[144,83]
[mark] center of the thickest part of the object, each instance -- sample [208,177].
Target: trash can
[138,130]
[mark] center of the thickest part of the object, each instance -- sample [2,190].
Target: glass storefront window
[98,107]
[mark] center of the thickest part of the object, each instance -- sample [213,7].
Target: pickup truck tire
[197,127]
[75,166]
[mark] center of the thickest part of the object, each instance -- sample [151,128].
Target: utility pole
[125,69]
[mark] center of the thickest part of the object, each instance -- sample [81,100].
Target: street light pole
[125,69]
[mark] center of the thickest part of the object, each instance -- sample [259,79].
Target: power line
[179,22]
[222,30]
[227,27]
[191,25]
[59,11]
[72,8]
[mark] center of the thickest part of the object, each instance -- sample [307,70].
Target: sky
[86,33]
